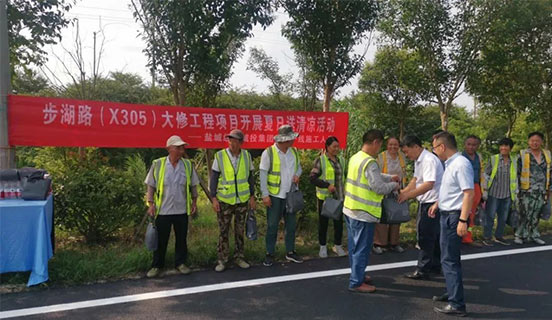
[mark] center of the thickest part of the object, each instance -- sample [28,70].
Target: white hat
[175,141]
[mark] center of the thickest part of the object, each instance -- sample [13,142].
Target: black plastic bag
[251,225]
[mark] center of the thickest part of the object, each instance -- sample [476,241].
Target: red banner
[38,121]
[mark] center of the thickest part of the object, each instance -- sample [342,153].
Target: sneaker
[487,242]
[539,241]
[501,241]
[323,253]
[338,249]
[153,272]
[418,246]
[268,261]
[397,249]
[441,298]
[363,288]
[293,257]
[518,240]
[377,250]
[183,269]
[242,263]
[220,267]
[452,311]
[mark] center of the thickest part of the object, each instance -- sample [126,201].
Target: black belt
[443,212]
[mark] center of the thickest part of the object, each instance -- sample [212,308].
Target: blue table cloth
[25,242]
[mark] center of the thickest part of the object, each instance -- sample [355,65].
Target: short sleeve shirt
[428,168]
[174,187]
[457,178]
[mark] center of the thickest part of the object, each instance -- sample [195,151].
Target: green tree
[447,35]
[309,86]
[511,71]
[396,84]
[29,82]
[267,68]
[324,33]
[194,44]
[33,24]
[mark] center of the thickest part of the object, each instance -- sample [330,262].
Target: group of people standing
[448,186]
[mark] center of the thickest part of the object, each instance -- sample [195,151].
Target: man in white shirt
[424,186]
[280,169]
[455,202]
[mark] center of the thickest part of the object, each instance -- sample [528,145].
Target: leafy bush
[91,197]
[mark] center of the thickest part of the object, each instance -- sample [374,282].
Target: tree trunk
[443,110]
[401,129]
[510,127]
[328,92]
[547,135]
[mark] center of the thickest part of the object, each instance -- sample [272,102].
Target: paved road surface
[508,286]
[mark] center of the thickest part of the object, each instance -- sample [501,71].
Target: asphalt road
[509,286]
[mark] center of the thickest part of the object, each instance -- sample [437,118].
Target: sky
[123,47]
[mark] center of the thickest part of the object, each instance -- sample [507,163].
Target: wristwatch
[463,221]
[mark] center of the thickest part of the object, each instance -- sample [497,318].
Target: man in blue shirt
[454,205]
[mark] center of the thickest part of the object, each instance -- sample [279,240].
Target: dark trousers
[450,258]
[180,224]
[323,223]
[273,215]
[428,239]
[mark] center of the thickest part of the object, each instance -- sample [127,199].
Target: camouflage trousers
[227,211]
[530,206]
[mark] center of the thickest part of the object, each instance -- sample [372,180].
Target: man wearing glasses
[454,205]
[424,186]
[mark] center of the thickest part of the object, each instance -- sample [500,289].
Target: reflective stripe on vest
[328,175]
[383,160]
[233,185]
[513,174]
[524,181]
[274,174]
[358,194]
[159,176]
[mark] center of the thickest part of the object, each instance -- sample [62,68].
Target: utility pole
[7,153]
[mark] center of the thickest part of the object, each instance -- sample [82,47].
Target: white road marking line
[240,284]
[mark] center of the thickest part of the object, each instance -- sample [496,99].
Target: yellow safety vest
[358,194]
[233,185]
[524,180]
[328,175]
[274,174]
[513,174]
[382,161]
[159,176]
